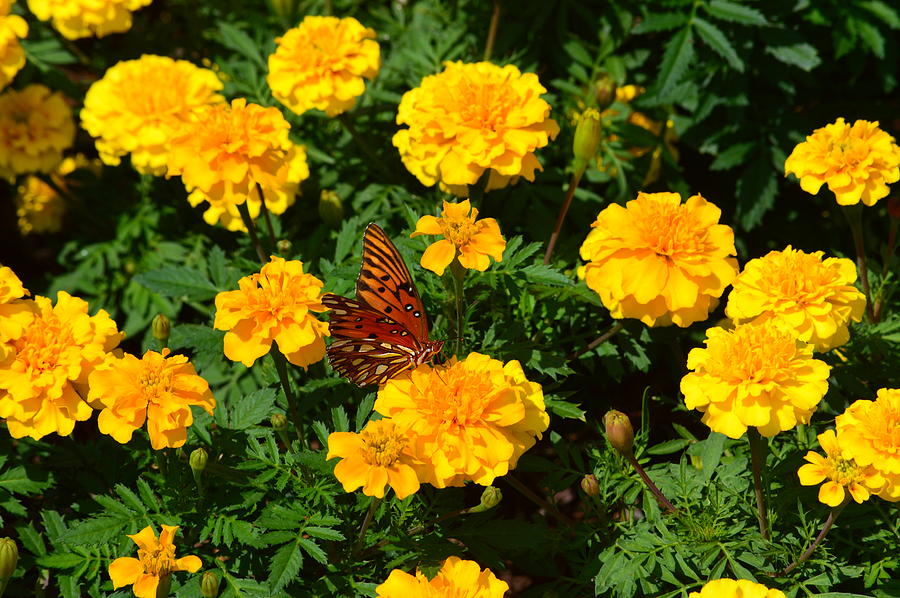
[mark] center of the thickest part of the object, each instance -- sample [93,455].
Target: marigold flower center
[461,401]
[669,230]
[848,151]
[39,349]
[459,231]
[157,561]
[155,380]
[757,355]
[383,446]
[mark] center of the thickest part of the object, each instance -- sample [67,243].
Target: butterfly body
[384,331]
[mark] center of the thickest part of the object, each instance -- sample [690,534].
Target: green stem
[281,367]
[251,229]
[854,218]
[599,340]
[459,275]
[570,193]
[373,506]
[492,31]
[660,497]
[757,458]
[265,210]
[3,584]
[832,516]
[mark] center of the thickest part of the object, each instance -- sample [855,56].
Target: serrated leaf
[99,529]
[886,13]
[662,21]
[68,587]
[716,40]
[677,57]
[541,274]
[61,560]
[732,156]
[313,550]
[574,49]
[285,565]
[872,37]
[564,408]
[130,498]
[16,481]
[178,282]
[801,55]
[31,540]
[737,13]
[217,266]
[323,533]
[237,40]
[755,192]
[250,409]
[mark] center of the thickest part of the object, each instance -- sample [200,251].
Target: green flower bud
[198,460]
[9,558]
[283,246]
[209,585]
[490,498]
[161,327]
[331,208]
[587,138]
[589,485]
[604,91]
[279,421]
[619,432]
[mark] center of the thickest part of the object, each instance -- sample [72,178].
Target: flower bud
[283,246]
[279,422]
[331,208]
[161,327]
[198,460]
[490,498]
[605,91]
[619,432]
[9,558]
[587,138]
[589,485]
[209,585]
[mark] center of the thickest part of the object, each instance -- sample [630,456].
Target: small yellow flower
[659,260]
[471,118]
[75,19]
[758,375]
[321,64]
[277,304]
[870,435]
[39,206]
[813,296]
[465,239]
[12,56]
[469,419]
[157,389]
[456,578]
[730,588]
[156,560]
[378,456]
[226,152]
[36,126]
[856,162]
[15,313]
[140,105]
[842,473]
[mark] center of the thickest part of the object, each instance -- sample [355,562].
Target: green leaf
[61,560]
[540,274]
[733,156]
[323,533]
[755,191]
[801,55]
[240,42]
[16,481]
[249,410]
[564,409]
[676,59]
[716,40]
[662,21]
[285,565]
[99,529]
[737,13]
[32,540]
[47,53]
[872,37]
[887,14]
[179,282]
[576,50]
[313,550]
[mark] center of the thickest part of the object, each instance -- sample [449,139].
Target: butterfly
[384,331]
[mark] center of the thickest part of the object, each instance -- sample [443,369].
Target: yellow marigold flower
[156,560]
[39,207]
[15,313]
[157,389]
[42,379]
[473,117]
[757,374]
[140,105]
[841,472]
[456,578]
[465,239]
[275,304]
[226,151]
[659,260]
[730,588]
[856,162]
[470,419]
[75,19]
[870,435]
[12,56]
[321,64]
[376,457]
[35,127]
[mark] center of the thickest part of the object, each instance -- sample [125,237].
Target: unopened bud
[619,432]
[331,208]
[9,558]
[279,421]
[161,327]
[209,585]
[589,485]
[605,91]
[198,460]
[283,246]
[490,498]
[587,138]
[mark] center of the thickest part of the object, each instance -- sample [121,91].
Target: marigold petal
[438,256]
[124,571]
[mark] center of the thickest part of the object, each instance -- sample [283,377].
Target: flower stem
[251,229]
[373,506]
[660,497]
[832,516]
[265,210]
[570,193]
[281,368]
[459,275]
[599,340]
[541,502]
[757,457]
[854,218]
[492,31]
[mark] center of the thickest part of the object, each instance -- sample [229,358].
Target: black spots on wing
[381,289]
[388,309]
[358,326]
[358,320]
[386,277]
[395,331]
[408,307]
[404,333]
[417,313]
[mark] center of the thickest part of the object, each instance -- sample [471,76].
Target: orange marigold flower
[856,162]
[842,473]
[731,588]
[75,19]
[469,419]
[456,578]
[43,376]
[659,260]
[870,435]
[758,375]
[15,313]
[156,388]
[226,152]
[376,457]
[470,118]
[464,239]
[12,56]
[274,305]
[156,560]
[140,105]
[35,127]
[321,64]
[813,296]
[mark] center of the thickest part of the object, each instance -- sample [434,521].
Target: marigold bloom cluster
[12,56]
[842,472]
[870,434]
[757,375]
[813,296]
[456,578]
[659,260]
[465,239]
[471,118]
[157,389]
[36,126]
[75,19]
[46,366]
[731,588]
[277,304]
[226,153]
[856,162]
[156,560]
[321,64]
[138,106]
